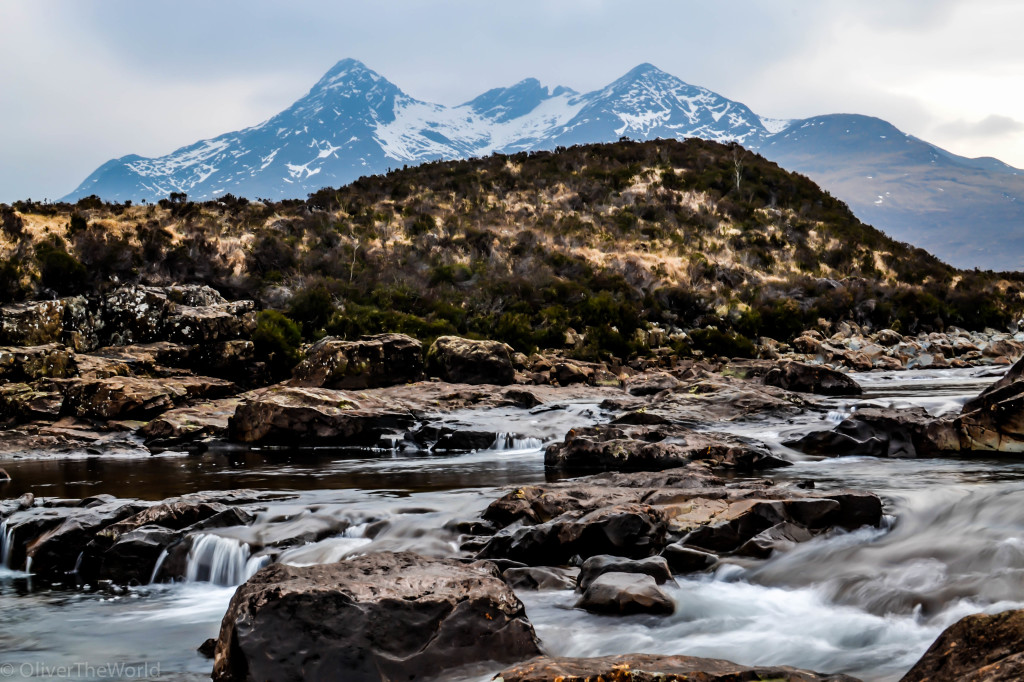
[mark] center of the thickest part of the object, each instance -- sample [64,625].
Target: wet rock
[53,360]
[778,537]
[26,527]
[372,361]
[803,378]
[651,668]
[172,514]
[132,557]
[120,397]
[208,648]
[56,553]
[465,361]
[683,559]
[875,432]
[625,448]
[540,578]
[378,617]
[596,566]
[978,648]
[1004,348]
[194,422]
[464,441]
[631,530]
[624,594]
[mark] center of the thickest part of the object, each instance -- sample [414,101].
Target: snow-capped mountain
[354,122]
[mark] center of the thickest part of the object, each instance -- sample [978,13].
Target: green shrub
[277,340]
[60,271]
[312,308]
[716,342]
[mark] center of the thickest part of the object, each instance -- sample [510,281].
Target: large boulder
[625,594]
[377,617]
[291,413]
[654,668]
[196,325]
[458,360]
[372,361]
[596,566]
[631,448]
[803,378]
[978,648]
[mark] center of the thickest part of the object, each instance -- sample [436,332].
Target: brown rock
[654,668]
[466,361]
[373,618]
[372,361]
[803,378]
[625,594]
[120,397]
[979,648]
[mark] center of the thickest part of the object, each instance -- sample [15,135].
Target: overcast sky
[82,82]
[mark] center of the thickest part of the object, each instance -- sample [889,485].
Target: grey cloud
[988,127]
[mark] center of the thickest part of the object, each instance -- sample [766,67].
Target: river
[867,603]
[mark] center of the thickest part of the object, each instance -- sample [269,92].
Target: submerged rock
[978,648]
[370,362]
[654,668]
[378,617]
[465,361]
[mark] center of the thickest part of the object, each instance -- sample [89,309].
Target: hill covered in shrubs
[611,248]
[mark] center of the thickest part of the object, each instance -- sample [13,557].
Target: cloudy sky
[84,82]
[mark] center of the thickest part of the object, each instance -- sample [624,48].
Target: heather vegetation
[599,244]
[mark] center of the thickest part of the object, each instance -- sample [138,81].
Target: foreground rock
[378,617]
[465,361]
[652,668]
[370,362]
[979,648]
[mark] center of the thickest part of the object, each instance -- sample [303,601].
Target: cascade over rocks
[654,668]
[377,617]
[370,362]
[464,361]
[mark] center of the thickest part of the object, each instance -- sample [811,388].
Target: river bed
[867,603]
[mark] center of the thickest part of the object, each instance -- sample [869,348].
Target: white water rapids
[867,603]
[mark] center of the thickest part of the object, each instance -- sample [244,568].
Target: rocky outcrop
[370,362]
[465,361]
[50,361]
[377,617]
[803,378]
[978,648]
[653,668]
[642,448]
[625,594]
[122,397]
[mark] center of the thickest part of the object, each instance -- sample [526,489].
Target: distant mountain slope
[354,122]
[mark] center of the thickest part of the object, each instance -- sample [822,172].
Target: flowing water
[867,603]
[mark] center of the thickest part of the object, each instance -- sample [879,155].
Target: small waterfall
[159,564]
[512,441]
[6,544]
[220,560]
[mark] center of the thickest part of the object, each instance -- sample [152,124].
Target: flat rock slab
[651,668]
[378,617]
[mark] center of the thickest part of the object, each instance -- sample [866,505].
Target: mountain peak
[347,73]
[503,104]
[646,70]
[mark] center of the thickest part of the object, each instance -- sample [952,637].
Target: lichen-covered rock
[378,617]
[31,324]
[458,360]
[370,362]
[52,360]
[196,325]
